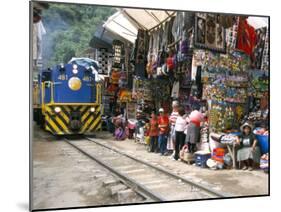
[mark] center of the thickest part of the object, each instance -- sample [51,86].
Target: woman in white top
[180,127]
[172,122]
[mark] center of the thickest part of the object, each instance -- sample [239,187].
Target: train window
[62,74]
[87,75]
[46,75]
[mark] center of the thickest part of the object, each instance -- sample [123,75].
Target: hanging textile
[103,60]
[265,55]
[170,37]
[141,46]
[231,35]
[118,52]
[259,47]
[175,90]
[246,37]
[141,50]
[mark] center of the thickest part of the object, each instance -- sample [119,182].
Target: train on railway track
[69,98]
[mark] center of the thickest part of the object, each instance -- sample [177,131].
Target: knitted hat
[246,124]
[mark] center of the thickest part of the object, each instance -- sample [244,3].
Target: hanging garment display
[118,52]
[177,26]
[122,82]
[149,68]
[170,63]
[184,98]
[246,37]
[185,74]
[226,21]
[106,104]
[265,55]
[209,33]
[175,90]
[259,47]
[142,45]
[162,57]
[103,60]
[231,35]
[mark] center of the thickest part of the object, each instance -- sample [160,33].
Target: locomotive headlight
[74,83]
[75,71]
[92,109]
[57,109]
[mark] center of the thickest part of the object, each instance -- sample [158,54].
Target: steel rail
[143,190]
[202,187]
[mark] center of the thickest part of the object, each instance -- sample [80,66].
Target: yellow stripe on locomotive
[66,119]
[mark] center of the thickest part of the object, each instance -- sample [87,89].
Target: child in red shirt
[163,125]
[153,132]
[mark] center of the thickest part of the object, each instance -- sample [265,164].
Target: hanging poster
[209,34]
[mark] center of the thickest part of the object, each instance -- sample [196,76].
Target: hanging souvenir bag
[170,63]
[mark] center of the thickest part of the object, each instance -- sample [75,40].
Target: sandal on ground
[244,168]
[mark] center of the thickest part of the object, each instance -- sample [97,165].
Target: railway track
[154,183]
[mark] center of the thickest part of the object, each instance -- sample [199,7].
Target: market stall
[216,64]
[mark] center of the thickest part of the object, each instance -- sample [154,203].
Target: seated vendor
[117,120]
[249,152]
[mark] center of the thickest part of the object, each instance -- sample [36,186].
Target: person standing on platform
[172,121]
[193,130]
[153,132]
[163,126]
[180,127]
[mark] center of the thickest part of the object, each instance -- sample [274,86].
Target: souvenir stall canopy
[126,22]
[120,25]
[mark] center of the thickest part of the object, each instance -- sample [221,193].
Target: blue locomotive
[70,98]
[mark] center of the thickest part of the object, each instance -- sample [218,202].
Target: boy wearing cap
[163,125]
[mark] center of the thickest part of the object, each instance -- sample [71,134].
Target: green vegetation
[70,28]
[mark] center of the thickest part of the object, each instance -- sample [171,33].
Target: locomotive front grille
[72,119]
[75,120]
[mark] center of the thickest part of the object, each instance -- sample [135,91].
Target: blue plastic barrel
[263,142]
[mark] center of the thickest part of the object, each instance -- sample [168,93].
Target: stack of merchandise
[228,139]
[218,155]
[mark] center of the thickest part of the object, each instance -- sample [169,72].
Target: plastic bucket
[263,142]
